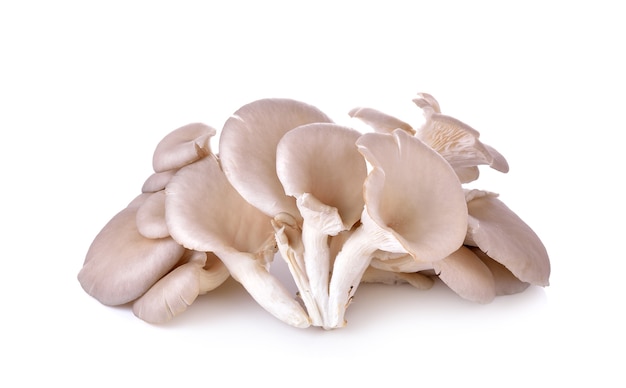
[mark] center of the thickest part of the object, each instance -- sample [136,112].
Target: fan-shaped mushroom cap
[467,275]
[506,283]
[182,146]
[322,160]
[456,141]
[121,264]
[157,181]
[379,121]
[200,273]
[506,238]
[413,193]
[427,102]
[205,213]
[247,149]
[151,216]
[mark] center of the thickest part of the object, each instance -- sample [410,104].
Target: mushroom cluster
[340,206]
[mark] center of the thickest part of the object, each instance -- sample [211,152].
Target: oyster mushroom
[505,282]
[121,264]
[151,216]
[320,166]
[414,204]
[247,147]
[456,141]
[182,146]
[380,121]
[503,236]
[200,273]
[205,213]
[157,181]
[464,273]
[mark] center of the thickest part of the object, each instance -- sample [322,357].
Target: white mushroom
[414,203]
[182,146]
[320,166]
[151,216]
[462,271]
[247,147]
[466,275]
[505,282]
[456,141]
[380,121]
[290,180]
[121,264]
[205,213]
[506,238]
[157,181]
[199,273]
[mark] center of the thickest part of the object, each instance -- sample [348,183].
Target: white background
[87,89]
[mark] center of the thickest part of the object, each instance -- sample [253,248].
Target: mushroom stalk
[317,264]
[292,253]
[319,222]
[351,263]
[266,290]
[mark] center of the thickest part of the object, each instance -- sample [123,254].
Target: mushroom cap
[380,121]
[428,103]
[182,146]
[205,213]
[247,148]
[157,181]
[177,290]
[121,264]
[322,160]
[507,239]
[505,282]
[467,275]
[151,216]
[456,141]
[413,193]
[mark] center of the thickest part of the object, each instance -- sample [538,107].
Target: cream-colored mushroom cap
[413,193]
[182,146]
[157,181]
[247,149]
[322,159]
[380,121]
[121,264]
[506,238]
[200,273]
[205,213]
[467,275]
[151,216]
[456,141]
[505,282]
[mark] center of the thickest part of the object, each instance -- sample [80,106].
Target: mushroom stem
[317,265]
[266,290]
[319,222]
[351,263]
[291,252]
